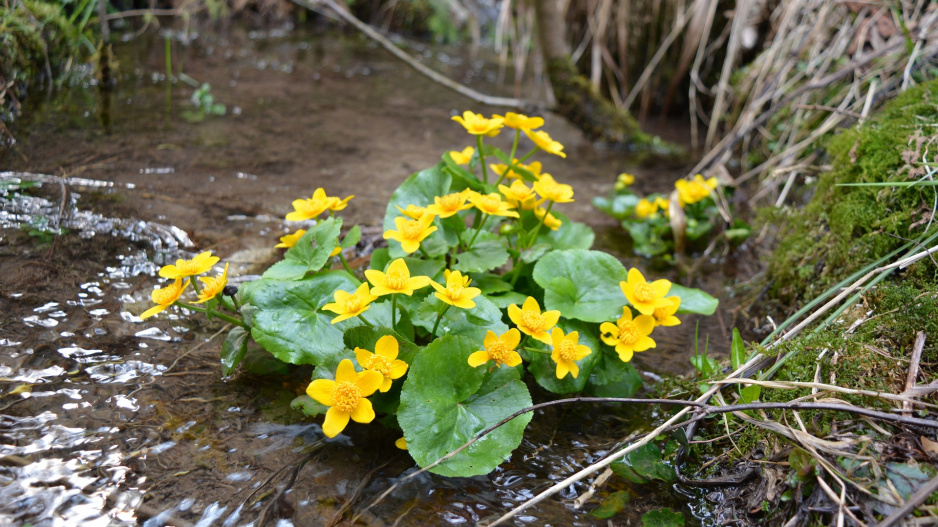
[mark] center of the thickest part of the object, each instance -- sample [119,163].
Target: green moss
[844,228]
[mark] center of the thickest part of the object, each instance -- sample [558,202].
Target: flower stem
[478,230]
[345,264]
[516,272]
[212,312]
[369,324]
[538,227]
[535,350]
[393,311]
[485,174]
[436,324]
[424,252]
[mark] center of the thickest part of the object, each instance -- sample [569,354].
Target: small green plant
[439,331]
[204,103]
[648,219]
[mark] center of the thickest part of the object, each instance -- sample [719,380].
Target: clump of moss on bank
[37,38]
[843,229]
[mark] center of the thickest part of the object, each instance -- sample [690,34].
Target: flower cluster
[180,273]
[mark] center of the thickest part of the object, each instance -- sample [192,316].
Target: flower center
[451,202]
[644,292]
[346,396]
[412,230]
[661,313]
[352,304]
[499,352]
[532,321]
[166,295]
[454,291]
[490,204]
[628,333]
[379,364]
[567,350]
[395,280]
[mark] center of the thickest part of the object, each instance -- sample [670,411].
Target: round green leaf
[471,323]
[287,320]
[488,252]
[445,403]
[582,284]
[309,254]
[694,301]
[570,235]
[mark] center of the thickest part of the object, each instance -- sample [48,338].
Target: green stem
[535,350]
[436,324]
[365,321]
[393,311]
[514,147]
[516,272]
[473,239]
[543,218]
[514,163]
[485,173]
[424,252]
[169,59]
[345,264]
[212,312]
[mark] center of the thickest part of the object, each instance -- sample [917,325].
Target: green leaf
[309,406]
[643,465]
[310,253]
[803,464]
[545,370]
[488,252]
[663,518]
[233,350]
[380,259]
[418,189]
[570,235]
[503,300]
[445,403]
[611,377]
[490,283]
[750,393]
[648,237]
[535,252]
[452,228]
[704,364]
[906,478]
[582,284]
[612,505]
[694,301]
[737,350]
[259,362]
[471,323]
[287,320]
[619,207]
[353,236]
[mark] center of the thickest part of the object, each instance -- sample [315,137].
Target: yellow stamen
[346,396]
[644,292]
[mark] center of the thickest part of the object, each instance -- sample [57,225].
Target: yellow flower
[545,143]
[457,291]
[345,397]
[396,280]
[411,232]
[476,124]
[500,349]
[624,180]
[567,350]
[645,208]
[664,204]
[519,195]
[165,297]
[383,361]
[306,209]
[414,212]
[664,316]
[643,296]
[201,263]
[520,121]
[450,204]
[462,158]
[401,443]
[213,286]
[336,251]
[695,190]
[629,335]
[531,321]
[349,305]
[290,239]
[534,168]
[551,221]
[549,189]
[492,204]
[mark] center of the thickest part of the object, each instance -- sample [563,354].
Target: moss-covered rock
[843,229]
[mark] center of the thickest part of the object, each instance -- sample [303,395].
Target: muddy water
[109,421]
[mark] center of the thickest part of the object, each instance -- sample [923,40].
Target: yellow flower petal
[321,391]
[346,372]
[478,358]
[364,412]
[387,346]
[336,421]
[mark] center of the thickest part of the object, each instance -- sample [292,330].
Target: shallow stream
[106,420]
